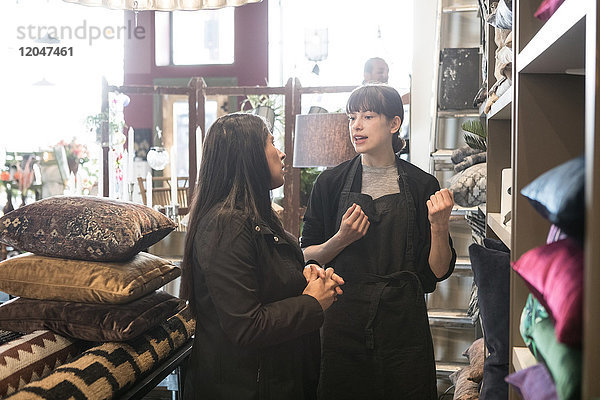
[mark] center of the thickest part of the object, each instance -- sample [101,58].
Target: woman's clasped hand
[322,284]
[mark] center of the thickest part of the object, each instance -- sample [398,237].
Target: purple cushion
[534,383]
[554,274]
[555,234]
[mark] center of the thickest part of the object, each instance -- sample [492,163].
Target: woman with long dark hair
[383,224]
[258,310]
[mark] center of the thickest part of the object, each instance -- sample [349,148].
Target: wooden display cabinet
[550,115]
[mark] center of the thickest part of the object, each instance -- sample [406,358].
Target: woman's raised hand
[323,285]
[354,225]
[439,207]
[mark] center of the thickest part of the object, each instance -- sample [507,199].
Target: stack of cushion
[109,369]
[469,185]
[551,324]
[83,279]
[87,277]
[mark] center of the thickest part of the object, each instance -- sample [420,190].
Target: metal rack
[453,330]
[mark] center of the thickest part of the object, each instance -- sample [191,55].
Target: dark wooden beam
[244,90]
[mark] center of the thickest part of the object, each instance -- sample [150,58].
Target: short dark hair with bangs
[381,99]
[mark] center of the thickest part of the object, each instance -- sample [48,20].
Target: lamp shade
[322,140]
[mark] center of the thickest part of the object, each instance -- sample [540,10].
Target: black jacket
[256,334]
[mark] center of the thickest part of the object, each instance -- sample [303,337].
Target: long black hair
[381,99]
[234,174]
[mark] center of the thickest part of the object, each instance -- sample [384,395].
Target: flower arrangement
[77,153]
[81,164]
[19,177]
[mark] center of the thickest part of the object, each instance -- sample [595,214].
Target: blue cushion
[558,196]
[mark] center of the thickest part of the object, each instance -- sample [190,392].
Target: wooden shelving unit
[494,222]
[553,117]
[522,358]
[501,109]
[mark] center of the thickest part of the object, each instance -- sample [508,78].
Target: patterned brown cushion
[50,278]
[93,322]
[107,370]
[84,228]
[464,389]
[476,356]
[33,357]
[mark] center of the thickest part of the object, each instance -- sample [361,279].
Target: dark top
[256,334]
[320,216]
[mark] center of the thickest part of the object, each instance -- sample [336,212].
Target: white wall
[424,62]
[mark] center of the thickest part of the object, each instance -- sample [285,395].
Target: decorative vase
[158,158]
[73,164]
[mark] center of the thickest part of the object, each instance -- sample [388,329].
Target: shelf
[562,34]
[522,358]
[442,154]
[462,267]
[458,210]
[449,318]
[502,231]
[467,113]
[456,9]
[445,369]
[502,108]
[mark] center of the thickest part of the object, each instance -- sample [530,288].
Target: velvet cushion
[93,322]
[547,8]
[476,356]
[469,186]
[34,356]
[84,228]
[563,362]
[558,196]
[534,383]
[491,272]
[554,274]
[464,389]
[50,278]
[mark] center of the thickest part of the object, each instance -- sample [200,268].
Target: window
[194,37]
[47,99]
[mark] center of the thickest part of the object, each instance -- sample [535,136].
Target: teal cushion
[563,362]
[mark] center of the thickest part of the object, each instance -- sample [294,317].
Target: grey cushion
[469,186]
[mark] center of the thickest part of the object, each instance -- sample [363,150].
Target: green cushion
[563,362]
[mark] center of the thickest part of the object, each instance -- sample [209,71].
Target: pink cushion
[547,8]
[554,274]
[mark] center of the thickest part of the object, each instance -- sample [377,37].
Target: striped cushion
[32,357]
[104,371]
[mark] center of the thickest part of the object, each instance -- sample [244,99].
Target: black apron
[376,338]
